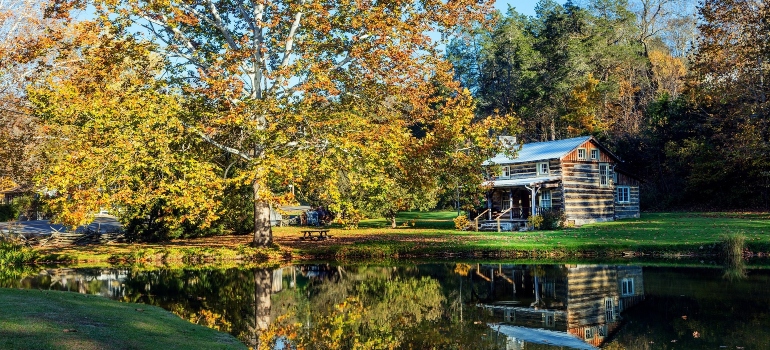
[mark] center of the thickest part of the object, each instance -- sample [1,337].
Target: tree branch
[216,144]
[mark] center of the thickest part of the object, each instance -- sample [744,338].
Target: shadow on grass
[33,319]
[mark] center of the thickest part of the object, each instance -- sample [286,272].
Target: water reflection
[450,305]
[576,306]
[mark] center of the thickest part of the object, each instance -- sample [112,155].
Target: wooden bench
[320,235]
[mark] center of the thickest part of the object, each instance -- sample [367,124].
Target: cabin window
[545,199]
[581,154]
[603,331]
[627,286]
[505,172]
[589,333]
[609,310]
[624,194]
[508,315]
[505,203]
[604,174]
[542,168]
[549,319]
[595,154]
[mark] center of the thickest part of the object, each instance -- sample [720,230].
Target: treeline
[677,90]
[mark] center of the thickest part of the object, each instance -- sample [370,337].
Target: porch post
[489,204]
[534,200]
[510,206]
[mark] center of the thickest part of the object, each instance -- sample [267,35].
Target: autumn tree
[283,92]
[21,27]
[731,72]
[114,137]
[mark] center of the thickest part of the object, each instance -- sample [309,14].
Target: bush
[349,219]
[8,212]
[549,220]
[462,222]
[553,219]
[535,221]
[14,254]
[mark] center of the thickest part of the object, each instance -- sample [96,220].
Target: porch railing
[500,216]
[476,219]
[508,214]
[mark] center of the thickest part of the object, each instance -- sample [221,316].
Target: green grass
[32,319]
[659,234]
[432,234]
[416,219]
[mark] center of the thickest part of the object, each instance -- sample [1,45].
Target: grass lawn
[422,234]
[32,319]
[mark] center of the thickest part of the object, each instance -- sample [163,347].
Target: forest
[676,89]
[188,118]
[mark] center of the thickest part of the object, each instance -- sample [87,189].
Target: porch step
[504,225]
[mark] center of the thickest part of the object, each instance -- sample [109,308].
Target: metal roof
[542,336]
[522,182]
[535,151]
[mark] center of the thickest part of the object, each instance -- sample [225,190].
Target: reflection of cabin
[580,302]
[577,176]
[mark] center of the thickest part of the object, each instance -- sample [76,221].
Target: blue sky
[526,7]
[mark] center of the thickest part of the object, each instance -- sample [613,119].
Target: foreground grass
[32,319]
[433,235]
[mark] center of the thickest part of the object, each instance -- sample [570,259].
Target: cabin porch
[510,202]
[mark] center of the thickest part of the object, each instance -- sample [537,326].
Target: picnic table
[315,235]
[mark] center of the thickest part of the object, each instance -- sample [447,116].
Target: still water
[448,305]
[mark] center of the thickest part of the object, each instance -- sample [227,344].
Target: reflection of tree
[263,287]
[218,298]
[362,307]
[11,276]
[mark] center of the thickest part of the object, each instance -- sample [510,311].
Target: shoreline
[654,236]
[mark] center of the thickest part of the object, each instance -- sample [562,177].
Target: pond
[447,305]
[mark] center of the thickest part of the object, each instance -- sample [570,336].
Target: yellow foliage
[669,72]
[462,269]
[583,105]
[462,222]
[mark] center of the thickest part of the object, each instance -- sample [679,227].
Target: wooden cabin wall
[528,317]
[636,274]
[585,200]
[589,286]
[597,339]
[529,170]
[588,145]
[630,209]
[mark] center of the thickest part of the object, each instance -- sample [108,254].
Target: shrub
[8,212]
[732,249]
[732,245]
[535,221]
[553,219]
[14,254]
[462,222]
[349,219]
[549,220]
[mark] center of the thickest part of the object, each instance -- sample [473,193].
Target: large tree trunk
[263,233]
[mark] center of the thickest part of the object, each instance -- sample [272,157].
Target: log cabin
[578,177]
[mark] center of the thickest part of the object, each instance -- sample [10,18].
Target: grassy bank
[33,319]
[432,234]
